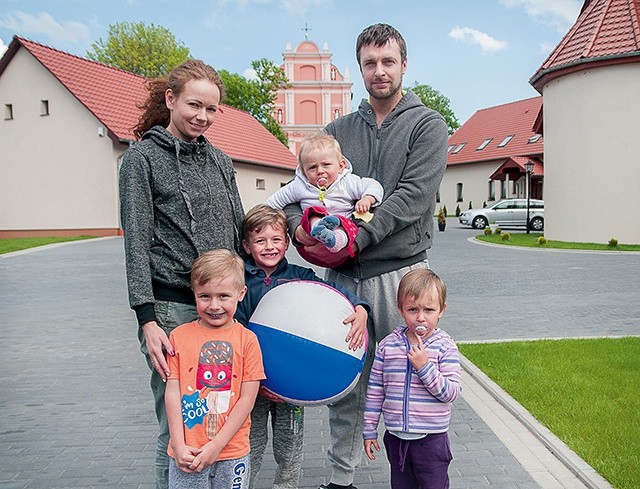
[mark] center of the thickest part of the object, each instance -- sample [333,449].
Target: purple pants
[419,464]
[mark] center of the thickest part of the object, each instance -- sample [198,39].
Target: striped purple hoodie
[412,401]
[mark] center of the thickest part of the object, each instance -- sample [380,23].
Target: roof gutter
[545,76]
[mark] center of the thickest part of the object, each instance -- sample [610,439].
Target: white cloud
[560,14]
[3,47]
[28,24]
[470,36]
[250,74]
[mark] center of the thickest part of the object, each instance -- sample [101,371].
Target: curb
[582,470]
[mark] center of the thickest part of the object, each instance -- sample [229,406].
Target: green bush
[613,242]
[457,211]
[470,205]
[505,236]
[487,231]
[446,213]
[497,231]
[542,240]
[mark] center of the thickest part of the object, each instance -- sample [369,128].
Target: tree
[438,102]
[148,51]
[257,96]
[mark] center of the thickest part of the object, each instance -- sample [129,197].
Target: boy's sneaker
[331,485]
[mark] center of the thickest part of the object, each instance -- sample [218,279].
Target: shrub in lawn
[542,240]
[613,242]
[487,231]
[497,231]
[446,213]
[505,236]
[457,211]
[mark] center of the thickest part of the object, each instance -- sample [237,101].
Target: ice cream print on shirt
[213,384]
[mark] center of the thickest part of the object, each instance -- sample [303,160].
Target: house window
[279,116]
[8,112]
[459,195]
[260,183]
[492,190]
[460,146]
[451,146]
[438,196]
[484,144]
[44,107]
[503,189]
[336,113]
[534,138]
[506,140]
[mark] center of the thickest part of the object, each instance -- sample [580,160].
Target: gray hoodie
[408,156]
[177,200]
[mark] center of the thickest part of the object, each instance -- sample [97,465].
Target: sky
[477,53]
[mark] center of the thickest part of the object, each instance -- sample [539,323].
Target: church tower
[318,94]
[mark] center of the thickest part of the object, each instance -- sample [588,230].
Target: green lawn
[586,391]
[531,240]
[17,244]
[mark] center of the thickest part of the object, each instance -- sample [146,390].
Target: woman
[178,199]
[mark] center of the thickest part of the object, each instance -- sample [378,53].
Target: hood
[347,170]
[164,139]
[408,101]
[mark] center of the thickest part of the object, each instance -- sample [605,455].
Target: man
[395,139]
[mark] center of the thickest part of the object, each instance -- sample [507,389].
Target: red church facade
[318,93]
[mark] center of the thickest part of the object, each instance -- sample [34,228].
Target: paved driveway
[75,405]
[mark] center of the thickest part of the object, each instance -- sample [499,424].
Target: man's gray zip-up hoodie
[407,154]
[177,200]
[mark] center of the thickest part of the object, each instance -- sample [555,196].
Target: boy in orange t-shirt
[215,377]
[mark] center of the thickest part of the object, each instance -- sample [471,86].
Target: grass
[584,390]
[17,244]
[531,240]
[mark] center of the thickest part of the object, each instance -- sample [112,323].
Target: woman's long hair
[155,111]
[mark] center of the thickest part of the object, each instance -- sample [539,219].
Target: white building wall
[62,174]
[475,186]
[592,155]
[249,179]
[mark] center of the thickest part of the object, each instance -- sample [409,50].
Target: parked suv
[506,213]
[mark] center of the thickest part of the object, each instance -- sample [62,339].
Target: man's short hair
[379,35]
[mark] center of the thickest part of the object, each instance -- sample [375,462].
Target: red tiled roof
[606,32]
[515,118]
[112,95]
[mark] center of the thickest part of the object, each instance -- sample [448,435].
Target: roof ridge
[510,103]
[26,40]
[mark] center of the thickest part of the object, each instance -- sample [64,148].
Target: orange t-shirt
[211,366]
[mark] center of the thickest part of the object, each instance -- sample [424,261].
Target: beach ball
[306,359]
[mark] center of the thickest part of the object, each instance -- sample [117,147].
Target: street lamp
[528,167]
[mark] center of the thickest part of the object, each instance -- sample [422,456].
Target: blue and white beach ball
[306,359]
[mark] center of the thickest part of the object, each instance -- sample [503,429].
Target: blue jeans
[169,315]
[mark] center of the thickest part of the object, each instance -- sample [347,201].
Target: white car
[506,213]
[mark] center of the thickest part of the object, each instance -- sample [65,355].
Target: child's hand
[184,457]
[206,457]
[418,356]
[364,204]
[369,445]
[358,321]
[270,395]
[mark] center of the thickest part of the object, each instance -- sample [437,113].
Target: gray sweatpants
[223,473]
[346,417]
[287,424]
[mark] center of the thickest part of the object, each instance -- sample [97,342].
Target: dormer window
[535,138]
[460,146]
[484,144]
[451,146]
[506,140]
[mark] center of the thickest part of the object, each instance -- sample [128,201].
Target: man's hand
[155,339]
